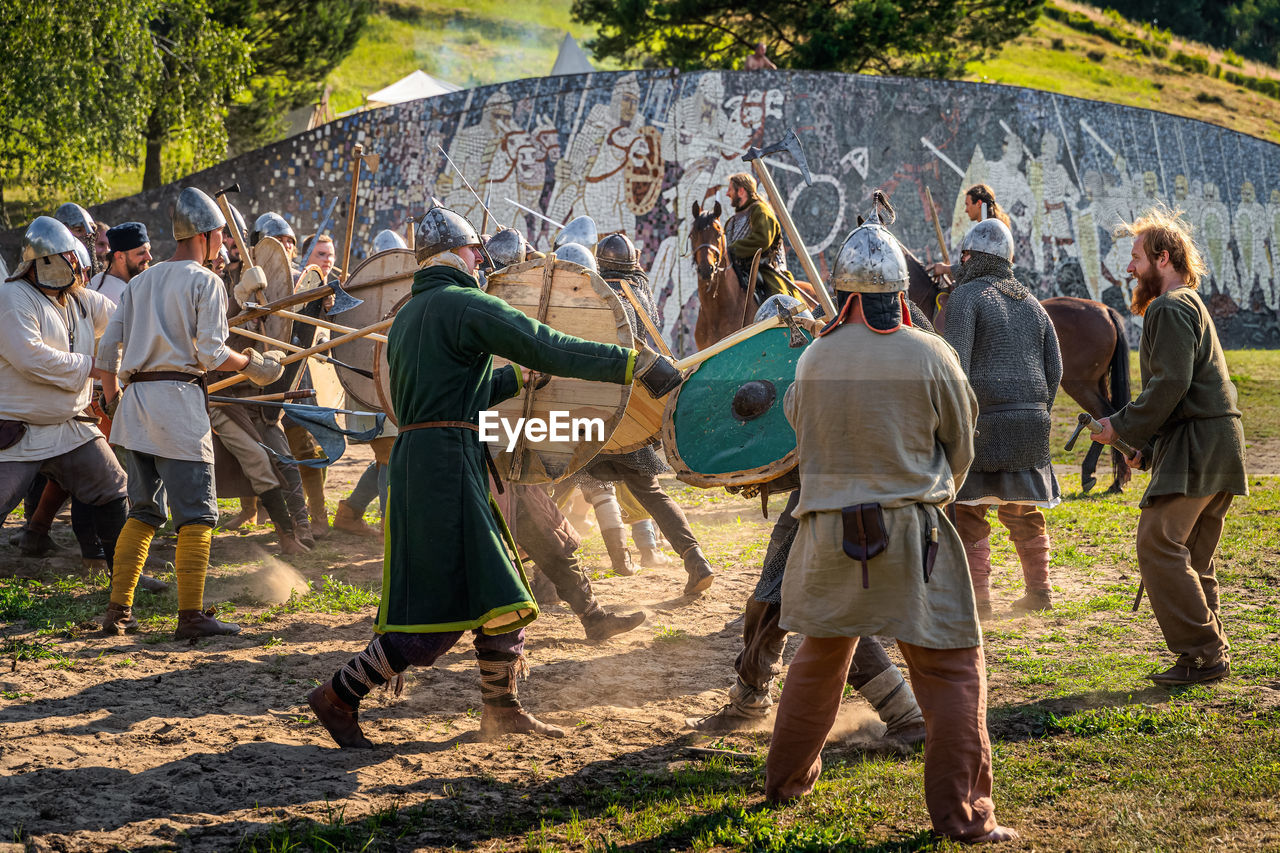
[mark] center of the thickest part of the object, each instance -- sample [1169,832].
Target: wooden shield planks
[577,302]
[706,442]
[641,423]
[274,260]
[381,281]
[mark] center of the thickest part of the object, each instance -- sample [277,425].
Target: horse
[721,299]
[1095,367]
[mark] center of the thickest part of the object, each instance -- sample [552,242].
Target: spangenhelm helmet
[441,230]
[507,247]
[580,230]
[778,304]
[73,215]
[616,252]
[43,247]
[576,253]
[990,236]
[195,213]
[386,240]
[870,261]
[271,224]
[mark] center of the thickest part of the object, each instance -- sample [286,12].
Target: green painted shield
[725,425]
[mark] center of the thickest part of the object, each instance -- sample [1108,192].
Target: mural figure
[1251,242]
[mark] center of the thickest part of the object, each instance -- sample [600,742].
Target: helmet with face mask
[44,248]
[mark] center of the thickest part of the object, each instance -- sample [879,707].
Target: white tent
[417,85]
[572,59]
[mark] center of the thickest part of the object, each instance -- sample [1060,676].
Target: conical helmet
[507,247]
[990,236]
[581,230]
[386,240]
[73,215]
[617,252]
[870,261]
[271,224]
[440,230]
[195,213]
[576,253]
[45,241]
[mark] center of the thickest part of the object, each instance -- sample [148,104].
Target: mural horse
[1095,368]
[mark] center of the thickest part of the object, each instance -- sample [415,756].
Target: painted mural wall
[636,150]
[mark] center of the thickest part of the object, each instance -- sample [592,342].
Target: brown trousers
[1026,526]
[951,686]
[1177,537]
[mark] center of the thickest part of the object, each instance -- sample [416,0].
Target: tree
[294,45]
[204,63]
[73,84]
[932,38]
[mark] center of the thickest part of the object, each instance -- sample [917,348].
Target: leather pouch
[11,432]
[865,535]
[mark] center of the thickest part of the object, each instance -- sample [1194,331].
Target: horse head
[707,238]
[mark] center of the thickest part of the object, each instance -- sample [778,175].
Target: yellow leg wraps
[191,562]
[131,552]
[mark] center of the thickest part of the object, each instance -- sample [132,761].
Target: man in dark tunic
[1009,351]
[449,565]
[754,227]
[1187,425]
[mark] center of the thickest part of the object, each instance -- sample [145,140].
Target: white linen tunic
[44,380]
[109,286]
[172,316]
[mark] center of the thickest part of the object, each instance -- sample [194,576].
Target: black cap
[127,236]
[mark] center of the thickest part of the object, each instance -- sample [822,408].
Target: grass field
[160,744]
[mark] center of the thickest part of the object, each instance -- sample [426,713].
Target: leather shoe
[201,623]
[1179,674]
[118,620]
[600,625]
[498,720]
[700,574]
[339,719]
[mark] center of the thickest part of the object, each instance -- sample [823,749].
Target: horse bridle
[718,264]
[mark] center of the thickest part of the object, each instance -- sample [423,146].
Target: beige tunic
[882,419]
[172,316]
[44,380]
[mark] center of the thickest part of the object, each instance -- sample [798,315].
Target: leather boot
[498,720]
[339,719]
[304,535]
[615,542]
[273,501]
[347,519]
[32,544]
[646,539]
[118,620]
[201,623]
[313,487]
[1034,600]
[892,698]
[700,574]
[747,708]
[94,564]
[601,625]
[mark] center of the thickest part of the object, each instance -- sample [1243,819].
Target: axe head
[1082,422]
[231,188]
[371,161]
[790,144]
[342,301]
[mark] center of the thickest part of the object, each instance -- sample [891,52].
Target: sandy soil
[146,744]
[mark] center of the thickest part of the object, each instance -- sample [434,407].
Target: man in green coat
[1187,424]
[755,228]
[449,563]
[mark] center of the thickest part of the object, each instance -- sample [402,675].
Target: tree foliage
[934,38]
[294,45]
[1249,27]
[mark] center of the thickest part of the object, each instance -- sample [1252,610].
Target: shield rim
[276,289]
[354,289]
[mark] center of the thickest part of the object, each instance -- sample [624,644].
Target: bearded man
[171,329]
[46,368]
[874,553]
[129,254]
[1009,351]
[1187,423]
[754,228]
[450,565]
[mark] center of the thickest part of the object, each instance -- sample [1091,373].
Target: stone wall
[636,150]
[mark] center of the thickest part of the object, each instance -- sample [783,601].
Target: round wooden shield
[382,280]
[274,260]
[641,423]
[725,425]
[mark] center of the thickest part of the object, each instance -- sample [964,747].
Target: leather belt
[167,376]
[1012,407]
[441,424]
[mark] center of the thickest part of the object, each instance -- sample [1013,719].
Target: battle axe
[755,156]
[250,274]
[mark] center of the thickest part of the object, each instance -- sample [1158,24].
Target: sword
[534,212]
[467,183]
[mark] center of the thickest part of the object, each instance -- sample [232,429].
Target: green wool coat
[1185,417]
[448,564]
[765,231]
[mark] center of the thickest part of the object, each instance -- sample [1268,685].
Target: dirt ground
[146,744]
